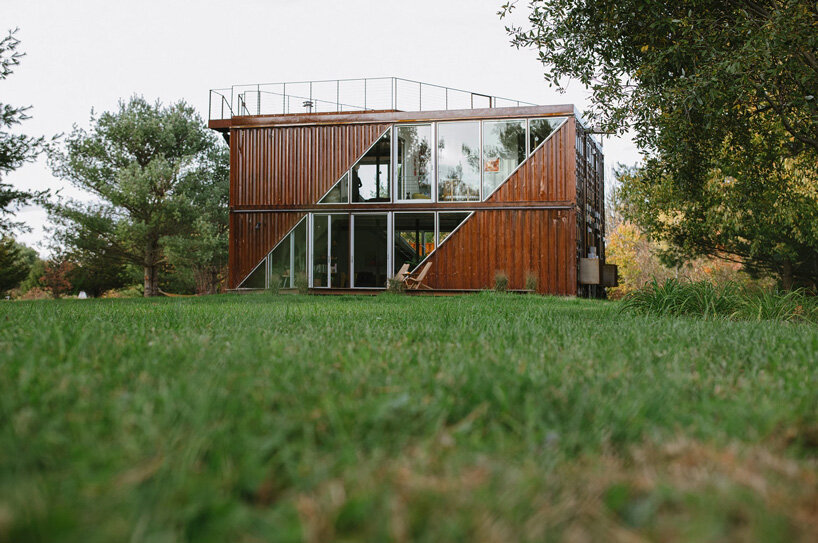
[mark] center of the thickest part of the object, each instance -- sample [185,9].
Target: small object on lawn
[82,295]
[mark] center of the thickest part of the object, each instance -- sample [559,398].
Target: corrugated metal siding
[539,241]
[293,165]
[252,236]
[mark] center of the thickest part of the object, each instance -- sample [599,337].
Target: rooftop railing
[337,95]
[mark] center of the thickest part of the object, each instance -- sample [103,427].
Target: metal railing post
[420,96]
[337,95]
[284,99]
[365,94]
[258,99]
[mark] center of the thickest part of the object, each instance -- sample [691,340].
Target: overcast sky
[84,54]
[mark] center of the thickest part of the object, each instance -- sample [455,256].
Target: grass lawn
[477,418]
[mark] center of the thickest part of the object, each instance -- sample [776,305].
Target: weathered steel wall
[516,242]
[293,165]
[252,236]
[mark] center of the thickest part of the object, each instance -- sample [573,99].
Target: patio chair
[401,275]
[414,281]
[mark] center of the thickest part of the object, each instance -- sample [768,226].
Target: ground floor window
[353,250]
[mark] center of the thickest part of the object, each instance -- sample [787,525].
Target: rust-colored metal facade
[535,223]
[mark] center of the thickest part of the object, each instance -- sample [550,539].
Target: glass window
[299,241]
[339,252]
[458,159]
[414,165]
[370,250]
[448,222]
[258,278]
[503,151]
[339,193]
[279,261]
[320,268]
[541,129]
[414,238]
[370,175]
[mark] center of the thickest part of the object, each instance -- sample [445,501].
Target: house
[340,183]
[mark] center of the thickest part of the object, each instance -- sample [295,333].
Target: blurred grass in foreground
[491,417]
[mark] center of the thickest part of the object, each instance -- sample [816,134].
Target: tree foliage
[143,163]
[16,261]
[15,149]
[721,98]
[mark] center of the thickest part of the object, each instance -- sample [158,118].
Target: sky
[86,54]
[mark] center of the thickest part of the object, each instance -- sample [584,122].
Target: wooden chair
[401,275]
[414,281]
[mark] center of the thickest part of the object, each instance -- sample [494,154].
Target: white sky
[84,54]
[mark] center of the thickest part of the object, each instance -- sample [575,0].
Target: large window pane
[338,194]
[370,175]
[540,129]
[320,269]
[370,250]
[339,254]
[448,223]
[414,238]
[503,151]
[414,167]
[299,241]
[458,166]
[279,262]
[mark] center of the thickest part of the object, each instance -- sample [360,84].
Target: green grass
[491,417]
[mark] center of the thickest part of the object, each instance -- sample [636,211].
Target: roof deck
[382,94]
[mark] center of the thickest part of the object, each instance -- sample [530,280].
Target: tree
[202,248]
[137,162]
[55,277]
[15,149]
[15,263]
[721,98]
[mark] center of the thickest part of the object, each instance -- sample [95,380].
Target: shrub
[395,286]
[531,281]
[500,281]
[275,284]
[302,284]
[134,291]
[730,301]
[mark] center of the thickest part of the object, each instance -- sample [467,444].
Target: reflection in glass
[414,238]
[414,166]
[339,193]
[257,279]
[299,241]
[503,151]
[279,262]
[458,155]
[370,175]
[540,129]
[448,222]
[320,270]
[370,250]
[339,253]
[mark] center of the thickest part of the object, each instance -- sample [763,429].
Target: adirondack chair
[414,281]
[401,275]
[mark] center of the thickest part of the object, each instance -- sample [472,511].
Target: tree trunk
[786,275]
[152,270]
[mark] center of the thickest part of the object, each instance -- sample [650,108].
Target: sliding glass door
[330,251]
[371,250]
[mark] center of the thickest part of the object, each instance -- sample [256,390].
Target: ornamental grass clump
[727,301]
[302,284]
[500,281]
